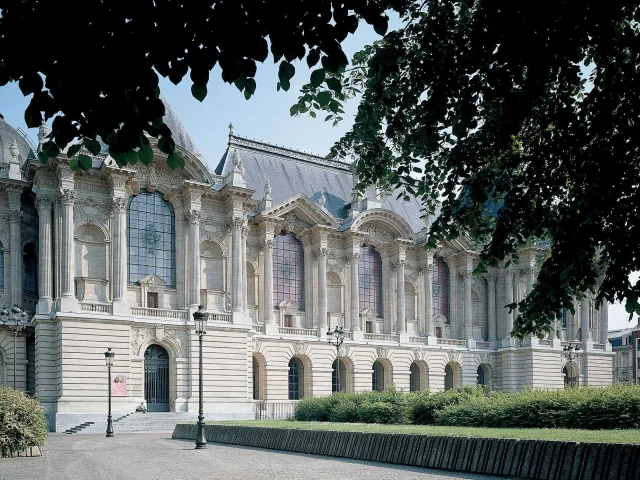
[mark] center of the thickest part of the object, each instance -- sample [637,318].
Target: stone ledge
[27,452]
[534,459]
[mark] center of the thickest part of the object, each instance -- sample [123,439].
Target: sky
[264,117]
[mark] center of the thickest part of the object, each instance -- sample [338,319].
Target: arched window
[256,379]
[30,269]
[414,378]
[151,238]
[377,377]
[370,279]
[1,268]
[296,379]
[440,288]
[338,376]
[288,268]
[480,373]
[448,378]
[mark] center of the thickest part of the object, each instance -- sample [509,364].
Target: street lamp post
[336,337]
[16,320]
[200,318]
[571,351]
[108,356]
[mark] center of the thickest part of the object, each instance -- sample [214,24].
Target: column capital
[67,197]
[266,246]
[321,252]
[15,216]
[193,217]
[490,277]
[236,223]
[118,204]
[245,231]
[43,202]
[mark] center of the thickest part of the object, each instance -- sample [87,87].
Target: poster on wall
[119,385]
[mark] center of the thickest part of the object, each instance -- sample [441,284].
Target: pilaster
[45,274]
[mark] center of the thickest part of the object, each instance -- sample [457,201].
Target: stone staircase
[138,423]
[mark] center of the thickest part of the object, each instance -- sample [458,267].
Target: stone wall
[543,460]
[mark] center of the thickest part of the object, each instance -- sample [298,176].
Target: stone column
[243,258]
[508,298]
[421,327]
[68,301]
[57,248]
[193,218]
[323,253]
[430,330]
[584,320]
[530,278]
[604,323]
[401,325]
[468,305]
[491,292]
[15,244]
[355,293]
[119,209]
[268,282]
[236,265]
[45,273]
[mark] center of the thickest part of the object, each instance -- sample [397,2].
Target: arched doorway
[156,378]
[338,376]
[570,374]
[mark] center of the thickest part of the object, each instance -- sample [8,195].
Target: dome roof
[7,135]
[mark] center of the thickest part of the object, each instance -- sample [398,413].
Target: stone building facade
[625,344]
[278,247]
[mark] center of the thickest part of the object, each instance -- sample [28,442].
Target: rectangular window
[152,300]
[288,321]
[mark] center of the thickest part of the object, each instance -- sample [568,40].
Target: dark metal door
[156,379]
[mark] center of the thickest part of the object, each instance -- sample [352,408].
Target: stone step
[138,422]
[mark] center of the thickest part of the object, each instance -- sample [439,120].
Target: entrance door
[152,299]
[156,378]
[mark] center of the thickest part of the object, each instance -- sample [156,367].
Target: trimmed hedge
[614,407]
[22,421]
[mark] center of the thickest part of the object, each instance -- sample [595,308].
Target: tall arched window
[370,279]
[414,378]
[151,238]
[256,379]
[296,379]
[377,377]
[30,269]
[1,267]
[288,268]
[440,288]
[338,376]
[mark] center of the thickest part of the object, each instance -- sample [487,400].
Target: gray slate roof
[292,172]
[7,135]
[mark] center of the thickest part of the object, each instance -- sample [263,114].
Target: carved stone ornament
[68,197]
[344,350]
[193,216]
[15,216]
[292,223]
[179,339]
[118,205]
[140,336]
[379,235]
[455,357]
[382,351]
[266,246]
[484,359]
[300,348]
[43,203]
[236,223]
[257,345]
[420,354]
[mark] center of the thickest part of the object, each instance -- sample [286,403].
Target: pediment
[299,213]
[382,226]
[152,279]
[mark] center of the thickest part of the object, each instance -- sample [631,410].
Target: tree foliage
[93,66]
[529,106]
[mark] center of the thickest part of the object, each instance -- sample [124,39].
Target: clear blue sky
[264,117]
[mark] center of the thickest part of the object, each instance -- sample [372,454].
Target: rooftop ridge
[237,141]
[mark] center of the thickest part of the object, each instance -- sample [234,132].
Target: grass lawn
[600,436]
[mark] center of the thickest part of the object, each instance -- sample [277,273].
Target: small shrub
[423,407]
[380,412]
[344,410]
[314,409]
[22,421]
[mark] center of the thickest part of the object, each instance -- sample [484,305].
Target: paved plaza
[156,456]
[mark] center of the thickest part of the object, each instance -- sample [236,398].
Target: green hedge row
[614,407]
[22,421]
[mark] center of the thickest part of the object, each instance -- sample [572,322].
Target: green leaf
[166,145]
[73,150]
[317,77]
[314,57]
[286,71]
[239,82]
[32,116]
[74,165]
[51,149]
[334,84]
[92,145]
[131,157]
[313,114]
[293,111]
[250,85]
[43,157]
[84,161]
[145,155]
[174,161]
[380,25]
[323,98]
[199,92]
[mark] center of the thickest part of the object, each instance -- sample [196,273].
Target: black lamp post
[336,337]
[108,356]
[571,351]
[200,318]
[16,320]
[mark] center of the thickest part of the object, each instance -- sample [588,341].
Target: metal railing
[308,332]
[452,341]
[381,337]
[219,317]
[159,313]
[95,307]
[274,410]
